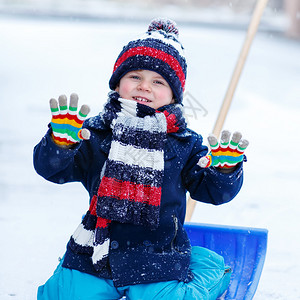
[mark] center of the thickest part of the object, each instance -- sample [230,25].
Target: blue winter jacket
[138,254]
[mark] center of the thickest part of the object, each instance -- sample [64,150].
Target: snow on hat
[157,50]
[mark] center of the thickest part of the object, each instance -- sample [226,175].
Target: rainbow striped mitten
[66,123]
[227,153]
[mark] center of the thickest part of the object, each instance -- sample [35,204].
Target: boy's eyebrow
[136,71]
[156,76]
[139,72]
[159,77]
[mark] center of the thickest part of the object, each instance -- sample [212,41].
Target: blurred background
[280,15]
[51,47]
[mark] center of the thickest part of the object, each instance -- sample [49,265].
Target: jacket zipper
[175,220]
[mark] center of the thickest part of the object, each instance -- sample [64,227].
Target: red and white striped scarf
[131,178]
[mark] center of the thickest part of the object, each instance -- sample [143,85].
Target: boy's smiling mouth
[141,99]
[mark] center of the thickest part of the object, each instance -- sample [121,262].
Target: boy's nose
[144,86]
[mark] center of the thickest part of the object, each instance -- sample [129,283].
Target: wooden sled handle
[252,29]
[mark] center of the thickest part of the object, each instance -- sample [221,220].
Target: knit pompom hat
[157,50]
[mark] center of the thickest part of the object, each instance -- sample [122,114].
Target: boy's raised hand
[227,153]
[66,123]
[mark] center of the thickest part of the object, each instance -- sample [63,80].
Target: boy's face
[145,87]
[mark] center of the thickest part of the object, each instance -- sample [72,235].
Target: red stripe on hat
[155,53]
[111,187]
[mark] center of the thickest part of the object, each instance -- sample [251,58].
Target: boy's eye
[134,76]
[158,82]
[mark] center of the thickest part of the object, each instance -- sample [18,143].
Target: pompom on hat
[158,50]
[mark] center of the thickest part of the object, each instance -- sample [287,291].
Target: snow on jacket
[138,254]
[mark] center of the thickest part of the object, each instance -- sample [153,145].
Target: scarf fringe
[100,255]
[82,240]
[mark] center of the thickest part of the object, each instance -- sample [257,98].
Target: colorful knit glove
[226,154]
[66,123]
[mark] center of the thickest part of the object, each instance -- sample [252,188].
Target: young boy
[137,159]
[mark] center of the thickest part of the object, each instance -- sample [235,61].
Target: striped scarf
[131,178]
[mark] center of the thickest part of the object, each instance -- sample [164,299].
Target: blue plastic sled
[244,250]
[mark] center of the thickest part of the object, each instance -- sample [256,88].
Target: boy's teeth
[141,99]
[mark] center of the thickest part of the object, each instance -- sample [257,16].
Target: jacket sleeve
[60,165]
[210,185]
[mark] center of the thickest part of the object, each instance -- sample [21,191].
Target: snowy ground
[43,59]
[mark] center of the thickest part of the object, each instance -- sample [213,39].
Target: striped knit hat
[157,50]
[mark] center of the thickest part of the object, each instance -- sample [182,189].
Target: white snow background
[40,59]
